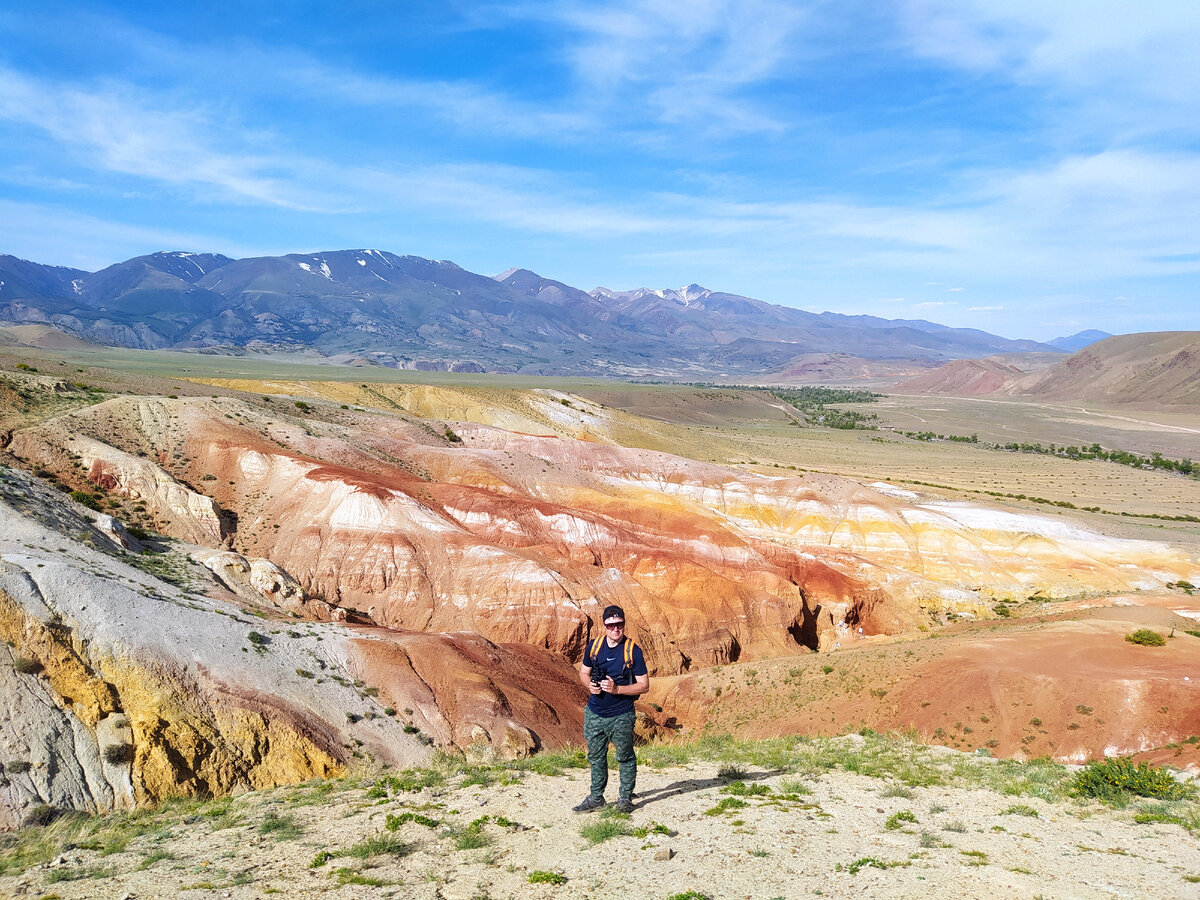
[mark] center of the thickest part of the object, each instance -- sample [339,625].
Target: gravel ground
[835,835]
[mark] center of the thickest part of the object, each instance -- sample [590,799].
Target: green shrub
[91,501]
[1114,780]
[540,876]
[1146,638]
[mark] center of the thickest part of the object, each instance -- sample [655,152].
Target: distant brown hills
[1151,369]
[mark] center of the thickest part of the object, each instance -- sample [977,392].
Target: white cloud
[954,290]
[119,133]
[679,61]
[1132,66]
[933,304]
[984,308]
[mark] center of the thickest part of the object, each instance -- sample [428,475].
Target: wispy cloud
[984,308]
[118,133]
[680,61]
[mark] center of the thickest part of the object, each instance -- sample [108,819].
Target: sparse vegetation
[604,829]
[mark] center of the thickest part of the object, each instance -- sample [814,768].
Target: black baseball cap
[613,611]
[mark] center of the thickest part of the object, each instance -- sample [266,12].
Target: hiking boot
[589,804]
[624,805]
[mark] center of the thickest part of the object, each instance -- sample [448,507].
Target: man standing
[614,672]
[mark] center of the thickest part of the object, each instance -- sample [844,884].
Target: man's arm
[640,685]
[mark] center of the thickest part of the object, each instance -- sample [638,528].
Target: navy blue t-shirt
[610,661]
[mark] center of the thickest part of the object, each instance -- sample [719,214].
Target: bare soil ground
[821,831]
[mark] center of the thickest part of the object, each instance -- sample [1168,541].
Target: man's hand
[594,687]
[608,686]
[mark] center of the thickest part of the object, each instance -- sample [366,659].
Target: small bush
[540,876]
[18,766]
[41,814]
[91,501]
[119,754]
[27,666]
[1114,780]
[1146,638]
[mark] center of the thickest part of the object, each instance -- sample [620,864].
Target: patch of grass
[649,829]
[689,895]
[897,820]
[67,873]
[281,828]
[726,804]
[870,861]
[347,875]
[1020,809]
[759,852]
[541,876]
[478,776]
[393,822]
[154,856]
[741,789]
[378,845]
[411,780]
[956,826]
[975,857]
[471,840]
[603,829]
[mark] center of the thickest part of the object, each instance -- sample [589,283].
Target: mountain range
[1148,370]
[374,307]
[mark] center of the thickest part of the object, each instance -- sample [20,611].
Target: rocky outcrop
[259,580]
[121,689]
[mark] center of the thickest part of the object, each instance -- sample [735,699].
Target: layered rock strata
[522,538]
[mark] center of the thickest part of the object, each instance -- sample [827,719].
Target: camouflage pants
[598,731]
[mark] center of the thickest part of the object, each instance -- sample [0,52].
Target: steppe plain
[1014,684]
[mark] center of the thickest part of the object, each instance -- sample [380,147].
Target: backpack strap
[629,645]
[595,648]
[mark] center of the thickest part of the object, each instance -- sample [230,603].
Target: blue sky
[1024,167]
